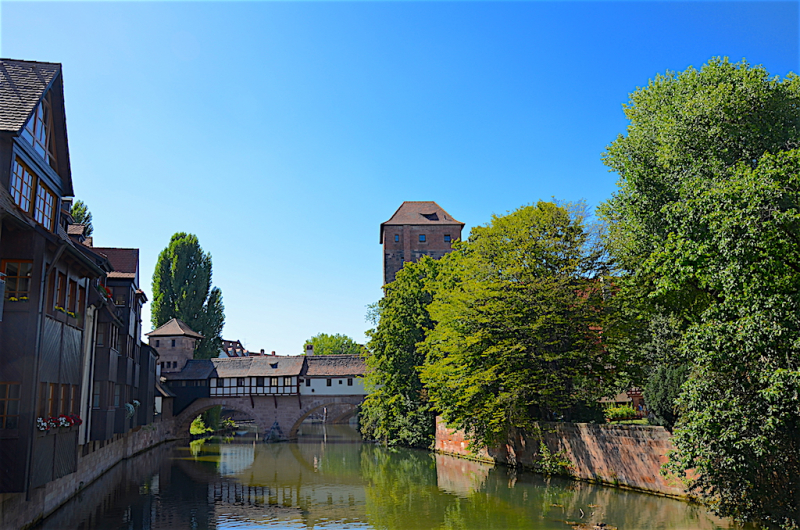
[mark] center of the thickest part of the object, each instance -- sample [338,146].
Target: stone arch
[184,419]
[315,406]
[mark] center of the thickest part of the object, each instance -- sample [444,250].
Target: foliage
[516,337]
[704,226]
[337,344]
[547,462]
[396,410]
[198,427]
[211,418]
[620,412]
[182,289]
[662,391]
[82,216]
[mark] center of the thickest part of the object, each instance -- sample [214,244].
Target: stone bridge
[287,412]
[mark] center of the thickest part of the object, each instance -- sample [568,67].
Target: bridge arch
[352,408]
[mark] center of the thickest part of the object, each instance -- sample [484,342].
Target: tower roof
[174,328]
[421,213]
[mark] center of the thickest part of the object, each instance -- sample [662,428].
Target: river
[330,479]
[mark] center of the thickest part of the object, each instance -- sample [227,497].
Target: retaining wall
[622,455]
[16,512]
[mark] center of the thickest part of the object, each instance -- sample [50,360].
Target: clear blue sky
[283,134]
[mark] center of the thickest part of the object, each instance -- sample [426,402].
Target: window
[113,336]
[273,381]
[287,381]
[38,131]
[329,382]
[173,343]
[72,295]
[21,185]
[101,334]
[9,405]
[81,304]
[422,238]
[75,408]
[397,238]
[52,399]
[45,207]
[96,398]
[61,290]
[63,406]
[308,382]
[18,279]
[42,410]
[340,381]
[158,343]
[119,295]
[259,381]
[447,238]
[349,381]
[117,389]
[175,364]
[240,381]
[220,382]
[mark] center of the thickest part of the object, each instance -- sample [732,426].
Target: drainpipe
[35,377]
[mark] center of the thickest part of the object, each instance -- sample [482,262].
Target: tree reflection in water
[329,479]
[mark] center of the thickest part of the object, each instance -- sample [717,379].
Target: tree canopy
[704,230]
[397,411]
[182,289]
[516,335]
[337,344]
[82,216]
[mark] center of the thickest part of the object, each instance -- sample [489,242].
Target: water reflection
[329,479]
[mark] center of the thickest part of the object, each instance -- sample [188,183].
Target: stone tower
[417,228]
[175,343]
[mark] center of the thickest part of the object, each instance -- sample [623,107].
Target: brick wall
[16,512]
[410,248]
[623,455]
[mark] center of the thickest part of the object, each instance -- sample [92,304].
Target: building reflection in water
[332,480]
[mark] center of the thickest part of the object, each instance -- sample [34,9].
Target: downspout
[35,377]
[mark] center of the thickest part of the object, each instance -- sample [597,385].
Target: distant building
[417,228]
[175,343]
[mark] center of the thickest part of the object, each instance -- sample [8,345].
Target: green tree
[396,410]
[705,229]
[516,337]
[337,344]
[82,216]
[182,289]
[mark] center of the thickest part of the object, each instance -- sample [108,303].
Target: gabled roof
[174,328]
[194,369]
[420,213]
[124,260]
[335,365]
[22,85]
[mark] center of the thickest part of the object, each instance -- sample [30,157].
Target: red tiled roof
[76,229]
[420,213]
[124,260]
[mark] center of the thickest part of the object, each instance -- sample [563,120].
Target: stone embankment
[628,456]
[94,460]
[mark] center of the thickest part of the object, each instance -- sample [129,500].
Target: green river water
[329,479]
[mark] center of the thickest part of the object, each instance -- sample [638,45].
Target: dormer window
[39,131]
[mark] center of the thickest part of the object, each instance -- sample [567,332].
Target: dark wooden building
[47,282]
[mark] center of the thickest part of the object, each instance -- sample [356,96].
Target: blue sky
[284,133]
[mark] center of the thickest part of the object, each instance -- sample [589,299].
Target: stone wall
[16,512]
[622,455]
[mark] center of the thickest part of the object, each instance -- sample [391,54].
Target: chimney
[89,241]
[262,351]
[309,349]
[273,353]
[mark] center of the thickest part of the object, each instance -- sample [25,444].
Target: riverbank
[94,459]
[625,456]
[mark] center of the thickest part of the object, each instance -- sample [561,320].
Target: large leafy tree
[396,411]
[705,230]
[338,344]
[182,289]
[517,333]
[82,216]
